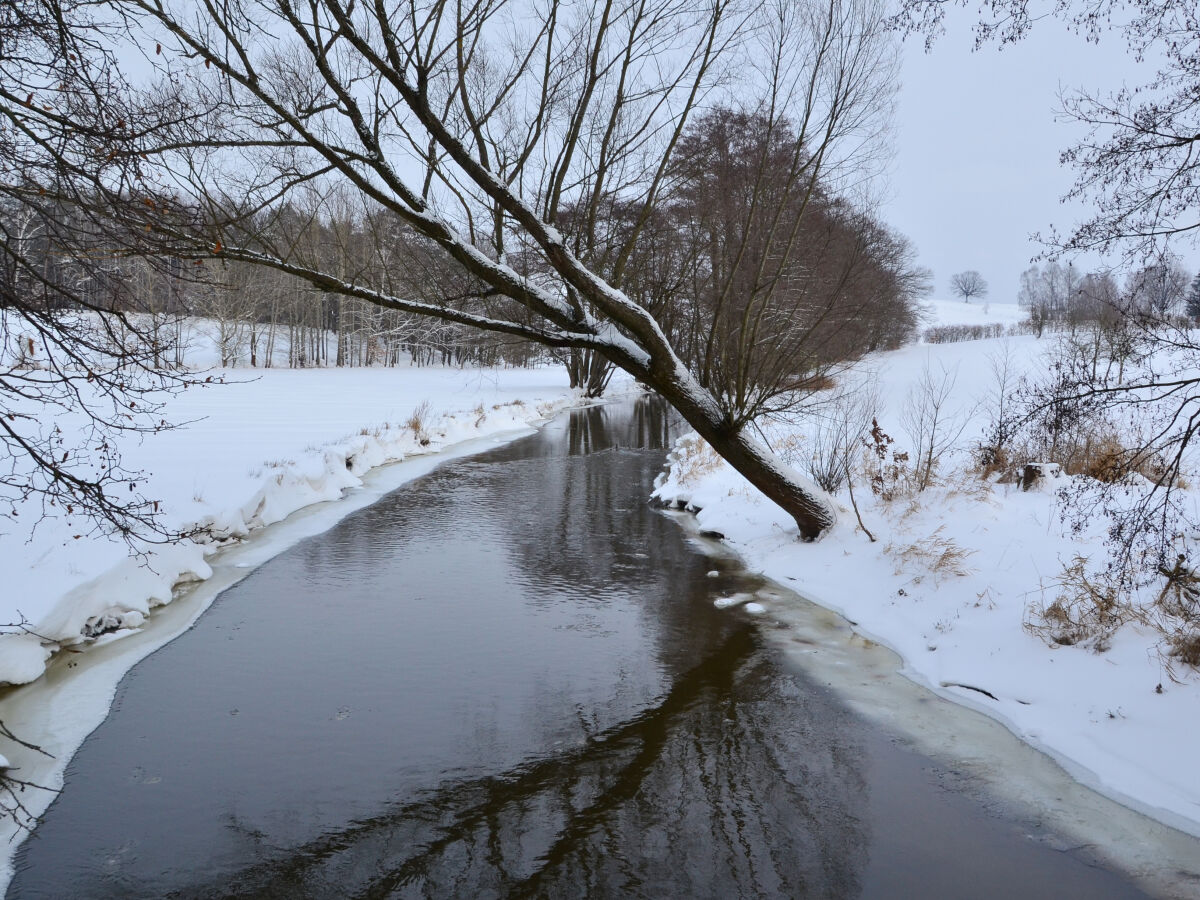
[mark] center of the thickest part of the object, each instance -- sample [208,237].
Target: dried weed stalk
[1087,610]
[692,459]
[418,423]
[886,469]
[938,554]
[1091,606]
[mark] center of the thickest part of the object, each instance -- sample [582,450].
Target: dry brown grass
[819,383]
[694,459]
[937,554]
[1184,647]
[1099,454]
[1177,609]
[418,422]
[1087,609]
[993,461]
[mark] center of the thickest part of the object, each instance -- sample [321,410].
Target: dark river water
[508,679]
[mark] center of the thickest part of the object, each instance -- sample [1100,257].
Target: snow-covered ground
[950,580]
[255,449]
[976,312]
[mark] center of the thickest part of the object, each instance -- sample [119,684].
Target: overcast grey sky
[977,141]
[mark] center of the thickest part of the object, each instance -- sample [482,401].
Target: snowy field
[257,448]
[977,312]
[950,581]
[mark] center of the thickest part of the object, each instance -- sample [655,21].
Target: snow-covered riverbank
[255,449]
[950,582]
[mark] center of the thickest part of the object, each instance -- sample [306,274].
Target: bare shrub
[1088,609]
[841,423]
[951,334]
[1059,424]
[992,454]
[933,426]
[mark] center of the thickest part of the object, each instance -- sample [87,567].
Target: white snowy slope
[949,583]
[976,312]
[255,449]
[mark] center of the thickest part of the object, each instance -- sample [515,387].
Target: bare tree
[1048,292]
[478,126]
[933,426]
[968,284]
[999,403]
[1192,301]
[83,356]
[1159,287]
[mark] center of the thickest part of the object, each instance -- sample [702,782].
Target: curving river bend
[508,679]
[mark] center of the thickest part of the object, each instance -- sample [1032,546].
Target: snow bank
[947,586]
[255,450]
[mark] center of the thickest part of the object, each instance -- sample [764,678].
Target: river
[508,678]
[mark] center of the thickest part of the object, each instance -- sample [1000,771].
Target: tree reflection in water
[739,783]
[507,679]
[650,426]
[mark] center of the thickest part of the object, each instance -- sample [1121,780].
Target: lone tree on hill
[968,284]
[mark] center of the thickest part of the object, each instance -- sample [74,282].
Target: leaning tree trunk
[806,504]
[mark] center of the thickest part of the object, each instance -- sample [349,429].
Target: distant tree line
[763,280]
[60,262]
[1061,297]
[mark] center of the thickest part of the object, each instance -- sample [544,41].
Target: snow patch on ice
[727,602]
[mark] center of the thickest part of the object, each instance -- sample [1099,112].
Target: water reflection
[650,426]
[766,809]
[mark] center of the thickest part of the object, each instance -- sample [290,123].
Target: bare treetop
[968,284]
[510,137]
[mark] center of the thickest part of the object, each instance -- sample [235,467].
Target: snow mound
[977,312]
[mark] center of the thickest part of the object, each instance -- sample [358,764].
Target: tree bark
[812,512]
